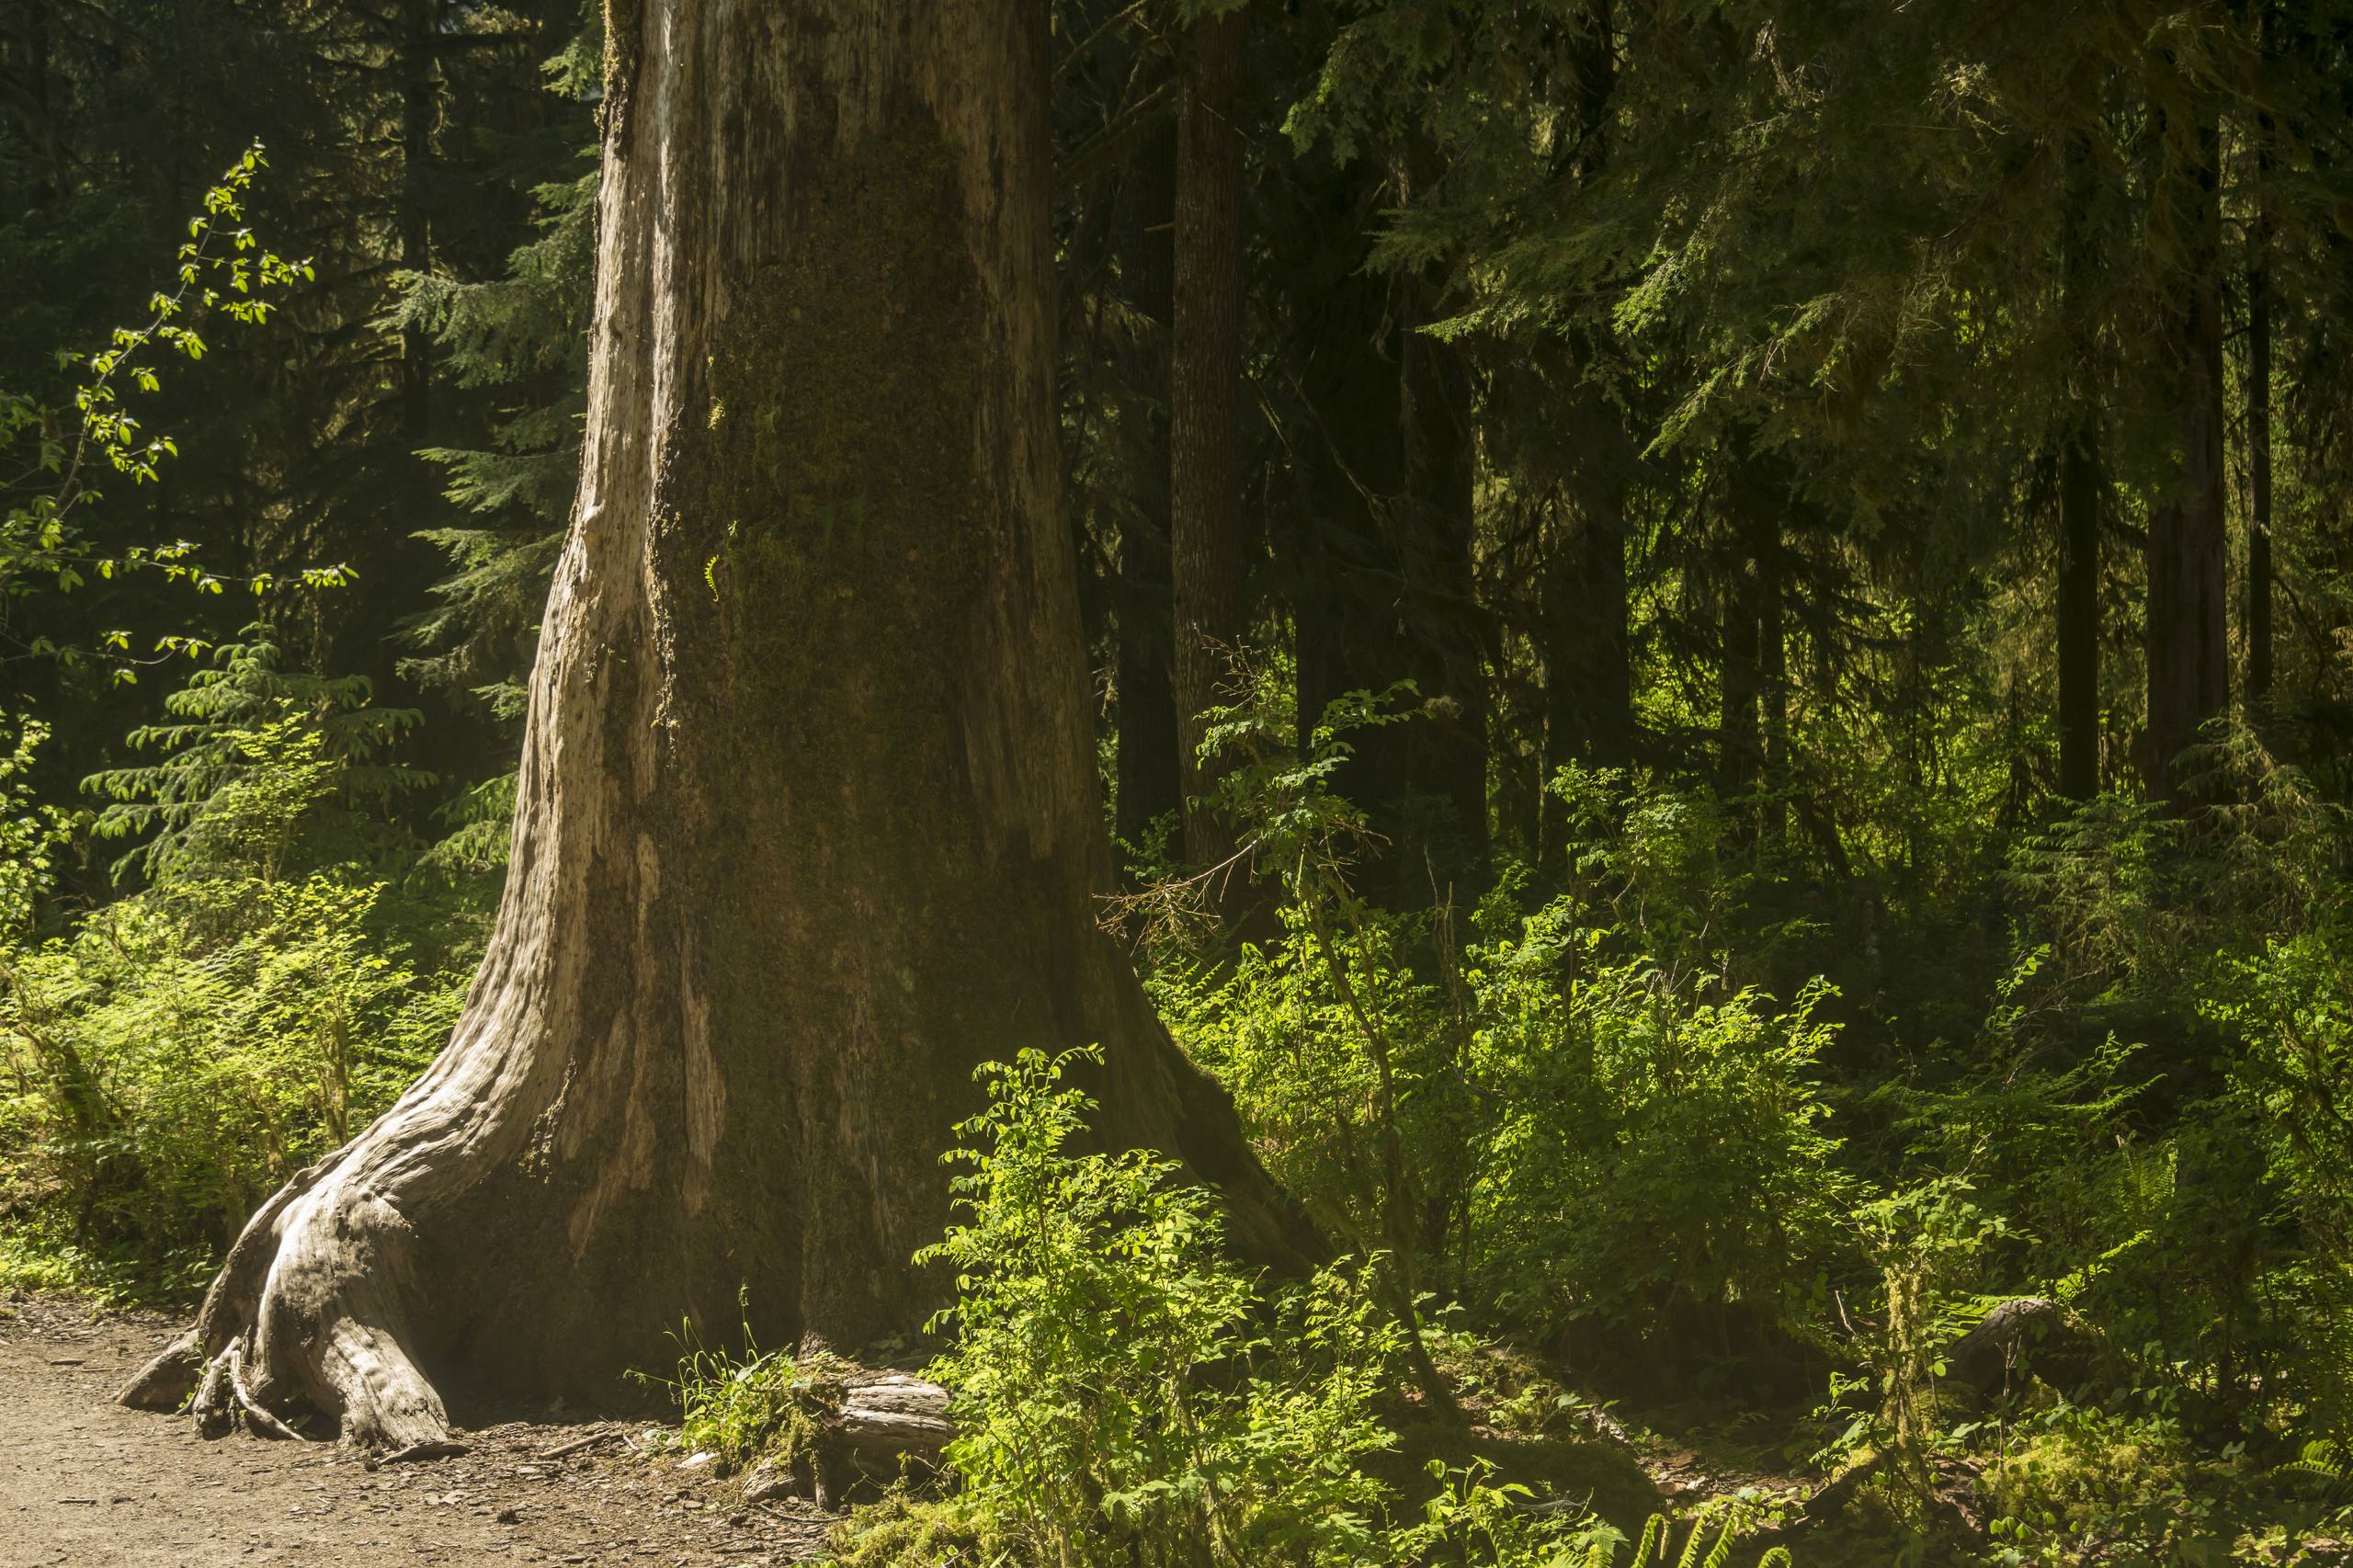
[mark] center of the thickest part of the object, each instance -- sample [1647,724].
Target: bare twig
[577,1444]
[438,1449]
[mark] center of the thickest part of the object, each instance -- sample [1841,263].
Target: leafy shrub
[189,1047]
[1576,1132]
[1124,1395]
[2290,1145]
[1673,1117]
[29,833]
[1282,1034]
[1113,1396]
[1923,1241]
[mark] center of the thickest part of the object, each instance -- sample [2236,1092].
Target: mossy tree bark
[807,824]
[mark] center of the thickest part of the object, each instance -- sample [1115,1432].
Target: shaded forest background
[1723,642]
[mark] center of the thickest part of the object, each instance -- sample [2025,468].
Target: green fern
[2323,1460]
[1657,1542]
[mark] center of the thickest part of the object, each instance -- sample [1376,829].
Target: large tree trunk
[806,824]
[2188,669]
[1205,384]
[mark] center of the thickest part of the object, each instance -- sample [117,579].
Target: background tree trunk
[1205,383]
[1750,505]
[1150,776]
[2079,501]
[2186,630]
[807,824]
[2259,411]
[417,21]
[1446,847]
[1588,671]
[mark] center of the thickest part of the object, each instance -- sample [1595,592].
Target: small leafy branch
[1298,830]
[220,266]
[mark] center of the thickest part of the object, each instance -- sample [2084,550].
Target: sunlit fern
[1701,1549]
[2324,1461]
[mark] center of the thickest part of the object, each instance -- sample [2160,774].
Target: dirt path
[84,1482]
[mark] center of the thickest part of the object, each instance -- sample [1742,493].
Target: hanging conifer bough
[807,824]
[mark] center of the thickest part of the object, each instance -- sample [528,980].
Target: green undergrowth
[1125,1394]
[277,976]
[746,1404]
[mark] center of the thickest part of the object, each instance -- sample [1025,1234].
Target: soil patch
[83,1480]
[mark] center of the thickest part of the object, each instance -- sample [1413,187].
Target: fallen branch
[563,1449]
[437,1449]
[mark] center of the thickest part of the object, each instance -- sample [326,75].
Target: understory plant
[1444,1090]
[1120,1392]
[189,1047]
[745,1403]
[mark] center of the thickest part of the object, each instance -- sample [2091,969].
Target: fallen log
[893,1414]
[2025,1334]
[874,1428]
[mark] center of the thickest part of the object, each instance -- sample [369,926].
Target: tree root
[307,1305]
[261,1419]
[221,1392]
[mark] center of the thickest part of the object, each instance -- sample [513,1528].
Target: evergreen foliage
[1785,781]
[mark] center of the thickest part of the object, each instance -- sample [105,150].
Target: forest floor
[83,1480]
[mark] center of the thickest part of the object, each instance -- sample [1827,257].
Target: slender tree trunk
[1205,384]
[417,30]
[2079,504]
[1385,569]
[1151,784]
[1739,753]
[1772,672]
[35,112]
[2188,669]
[1347,610]
[1447,752]
[1588,672]
[2078,611]
[1588,675]
[2259,417]
[1582,615]
[806,824]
